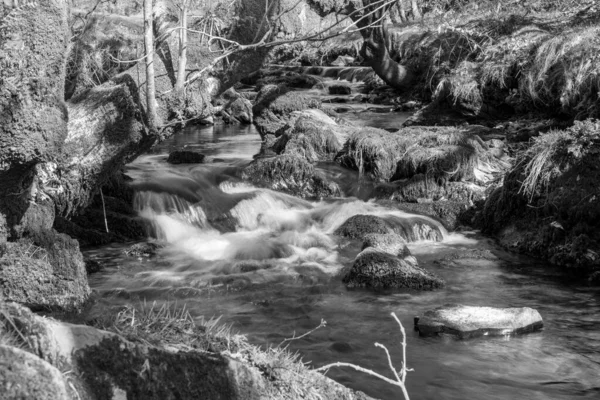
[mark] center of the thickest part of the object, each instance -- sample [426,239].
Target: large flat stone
[471,321]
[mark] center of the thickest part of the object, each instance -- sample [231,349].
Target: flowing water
[269,264]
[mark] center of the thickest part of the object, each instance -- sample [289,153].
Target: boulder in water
[377,269]
[311,134]
[142,250]
[340,88]
[274,105]
[358,226]
[290,174]
[391,243]
[185,157]
[470,321]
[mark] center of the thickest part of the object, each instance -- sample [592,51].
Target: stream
[268,264]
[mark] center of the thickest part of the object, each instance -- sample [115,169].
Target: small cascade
[351,74]
[271,211]
[169,214]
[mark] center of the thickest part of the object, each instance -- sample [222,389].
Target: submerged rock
[377,269]
[142,250]
[340,88]
[470,321]
[25,376]
[185,157]
[290,174]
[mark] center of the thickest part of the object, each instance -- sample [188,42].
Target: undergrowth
[554,153]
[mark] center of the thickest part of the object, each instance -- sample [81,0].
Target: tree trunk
[402,11]
[182,62]
[149,47]
[415,9]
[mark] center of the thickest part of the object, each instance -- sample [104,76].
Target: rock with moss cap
[391,243]
[359,226]
[274,104]
[378,269]
[290,174]
[471,321]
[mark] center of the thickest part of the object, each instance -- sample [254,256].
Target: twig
[400,379]
[321,325]
[104,211]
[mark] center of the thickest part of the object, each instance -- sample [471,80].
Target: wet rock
[358,226]
[185,157]
[46,271]
[471,321]
[25,376]
[380,270]
[451,214]
[290,174]
[274,104]
[340,88]
[391,243]
[142,250]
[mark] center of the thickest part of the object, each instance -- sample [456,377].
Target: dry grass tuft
[553,153]
[446,154]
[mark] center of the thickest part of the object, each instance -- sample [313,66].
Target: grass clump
[554,153]
[441,153]
[166,324]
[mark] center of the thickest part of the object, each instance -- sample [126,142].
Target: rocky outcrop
[290,174]
[25,376]
[377,269]
[549,204]
[105,365]
[45,271]
[471,321]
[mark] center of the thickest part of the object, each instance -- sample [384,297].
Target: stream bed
[269,264]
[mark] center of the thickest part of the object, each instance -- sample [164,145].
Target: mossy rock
[26,376]
[391,243]
[359,226]
[440,153]
[274,104]
[311,134]
[290,174]
[378,269]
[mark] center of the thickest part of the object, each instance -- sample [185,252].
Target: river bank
[306,193]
